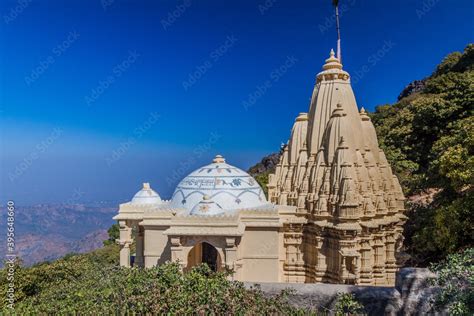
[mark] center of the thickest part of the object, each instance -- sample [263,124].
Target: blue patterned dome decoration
[206,207]
[228,186]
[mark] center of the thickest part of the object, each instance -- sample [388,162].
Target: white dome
[229,187]
[146,196]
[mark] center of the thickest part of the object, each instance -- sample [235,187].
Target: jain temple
[334,211]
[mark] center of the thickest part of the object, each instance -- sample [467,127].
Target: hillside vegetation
[94,284]
[428,137]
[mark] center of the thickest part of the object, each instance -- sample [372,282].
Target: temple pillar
[125,254]
[177,252]
[321,265]
[139,238]
[294,263]
[379,259]
[391,262]
[231,257]
[125,241]
[367,262]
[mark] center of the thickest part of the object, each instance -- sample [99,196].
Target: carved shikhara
[335,174]
[336,211]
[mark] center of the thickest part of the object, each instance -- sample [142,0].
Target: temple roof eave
[176,230]
[128,216]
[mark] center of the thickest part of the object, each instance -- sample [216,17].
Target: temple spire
[338,52]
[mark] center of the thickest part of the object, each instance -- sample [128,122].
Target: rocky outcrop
[415,292]
[412,295]
[412,87]
[267,164]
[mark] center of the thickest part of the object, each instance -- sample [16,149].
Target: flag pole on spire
[338,52]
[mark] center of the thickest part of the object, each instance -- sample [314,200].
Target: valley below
[45,232]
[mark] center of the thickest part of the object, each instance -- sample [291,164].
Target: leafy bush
[94,283]
[455,277]
[347,304]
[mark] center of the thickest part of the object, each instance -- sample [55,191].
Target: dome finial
[146,196]
[332,62]
[218,159]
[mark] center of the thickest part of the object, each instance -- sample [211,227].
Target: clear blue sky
[98,96]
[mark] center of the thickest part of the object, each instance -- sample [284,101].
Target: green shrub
[347,304]
[95,284]
[455,277]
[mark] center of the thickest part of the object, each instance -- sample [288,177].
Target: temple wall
[157,246]
[259,255]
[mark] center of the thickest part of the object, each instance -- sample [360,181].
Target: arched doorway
[204,253]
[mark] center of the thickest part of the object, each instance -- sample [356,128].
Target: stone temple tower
[350,203]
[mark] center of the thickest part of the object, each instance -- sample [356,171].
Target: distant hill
[49,231]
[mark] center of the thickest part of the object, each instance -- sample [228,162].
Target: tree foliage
[114,234]
[428,138]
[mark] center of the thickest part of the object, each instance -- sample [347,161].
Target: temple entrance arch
[204,252]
